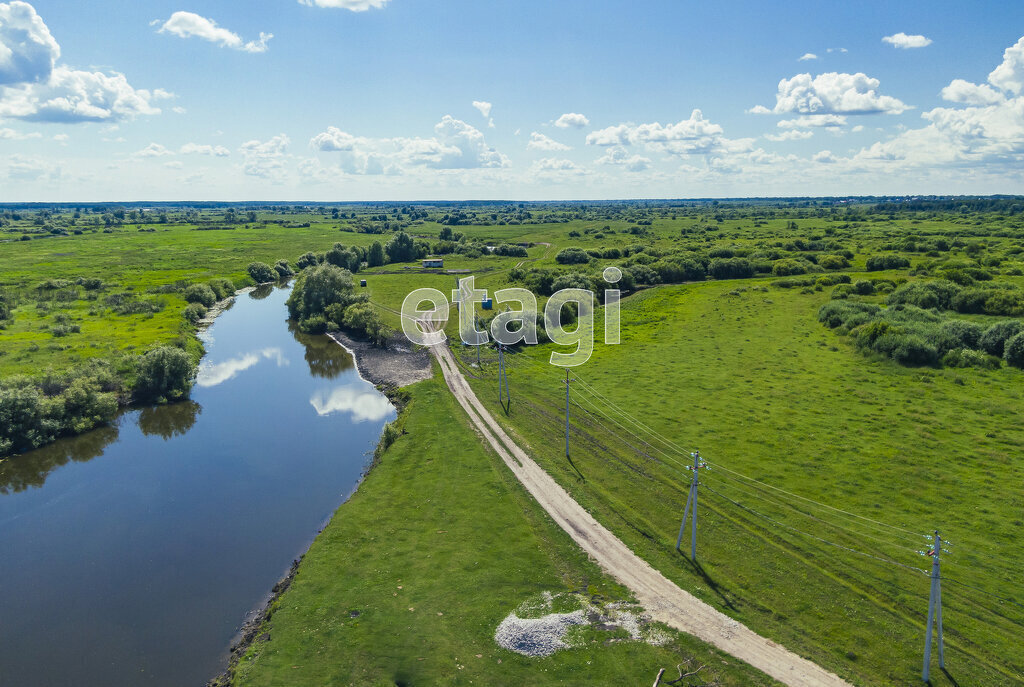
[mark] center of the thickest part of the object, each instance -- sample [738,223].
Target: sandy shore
[396,366]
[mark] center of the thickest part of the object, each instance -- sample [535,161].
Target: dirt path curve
[663,599]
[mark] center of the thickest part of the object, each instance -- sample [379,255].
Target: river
[131,554]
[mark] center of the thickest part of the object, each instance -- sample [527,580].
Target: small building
[433,263]
[487,304]
[362,283]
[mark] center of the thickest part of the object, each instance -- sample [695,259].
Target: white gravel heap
[537,636]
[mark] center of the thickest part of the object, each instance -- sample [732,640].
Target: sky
[356,100]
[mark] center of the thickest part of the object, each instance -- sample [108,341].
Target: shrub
[307,259]
[319,287]
[788,267]
[194,312]
[315,324]
[261,272]
[966,357]
[912,350]
[863,287]
[283,269]
[970,300]
[1005,302]
[834,262]
[731,268]
[960,334]
[222,288]
[164,374]
[200,293]
[930,294]
[362,317]
[513,251]
[993,341]
[836,313]
[572,256]
[886,262]
[1014,351]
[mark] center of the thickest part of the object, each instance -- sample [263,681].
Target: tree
[261,272]
[400,248]
[1014,353]
[375,256]
[318,287]
[165,374]
[572,256]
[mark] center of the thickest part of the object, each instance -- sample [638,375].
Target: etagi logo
[512,326]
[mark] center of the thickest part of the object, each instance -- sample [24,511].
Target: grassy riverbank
[412,576]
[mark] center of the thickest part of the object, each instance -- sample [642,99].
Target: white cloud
[693,136]
[759,110]
[12,135]
[618,155]
[333,140]
[189,24]
[354,5]
[834,93]
[791,135]
[539,141]
[28,53]
[572,119]
[174,164]
[813,121]
[857,129]
[484,107]
[807,56]
[960,91]
[902,40]
[837,50]
[824,157]
[200,149]
[266,159]
[218,373]
[22,168]
[361,405]
[1009,76]
[34,88]
[154,150]
[178,110]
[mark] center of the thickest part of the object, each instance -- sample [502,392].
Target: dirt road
[663,599]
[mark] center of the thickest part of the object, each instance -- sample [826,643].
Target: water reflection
[218,373]
[361,404]
[170,420]
[325,357]
[21,472]
[261,292]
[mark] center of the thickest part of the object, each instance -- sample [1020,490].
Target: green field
[831,460]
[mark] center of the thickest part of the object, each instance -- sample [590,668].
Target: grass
[749,377]
[412,576]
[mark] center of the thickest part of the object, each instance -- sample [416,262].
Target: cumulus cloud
[189,24]
[834,93]
[960,91]
[483,106]
[807,56]
[791,135]
[824,157]
[539,141]
[572,119]
[618,155]
[23,168]
[693,136]
[12,135]
[353,5]
[34,87]
[28,52]
[813,121]
[154,150]
[198,149]
[1009,76]
[266,159]
[902,40]
[454,145]
[363,406]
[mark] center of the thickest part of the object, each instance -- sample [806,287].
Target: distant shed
[433,262]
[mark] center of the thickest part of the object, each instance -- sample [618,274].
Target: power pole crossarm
[691,500]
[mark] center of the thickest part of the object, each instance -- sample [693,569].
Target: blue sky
[374,99]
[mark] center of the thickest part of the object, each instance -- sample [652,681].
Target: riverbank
[410,580]
[398,365]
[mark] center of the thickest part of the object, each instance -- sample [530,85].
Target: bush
[993,341]
[927,295]
[863,287]
[834,262]
[966,357]
[731,268]
[283,269]
[194,312]
[886,262]
[315,324]
[836,313]
[912,350]
[319,287]
[23,421]
[362,317]
[165,374]
[970,300]
[200,293]
[307,259]
[400,248]
[572,256]
[222,288]
[788,267]
[1014,353]
[511,250]
[261,272]
[955,334]
[1005,302]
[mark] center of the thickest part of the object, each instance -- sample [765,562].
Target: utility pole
[691,499]
[566,412]
[502,376]
[934,607]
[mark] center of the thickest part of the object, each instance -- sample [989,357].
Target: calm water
[130,555]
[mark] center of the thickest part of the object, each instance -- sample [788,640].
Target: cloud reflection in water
[212,375]
[362,405]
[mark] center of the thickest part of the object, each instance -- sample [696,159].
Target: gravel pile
[537,636]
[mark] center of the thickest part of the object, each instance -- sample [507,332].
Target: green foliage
[283,269]
[261,272]
[314,324]
[200,293]
[362,317]
[731,268]
[1014,351]
[222,288]
[886,262]
[307,260]
[834,262]
[925,294]
[165,374]
[318,287]
[375,255]
[194,312]
[993,341]
[572,256]
[788,267]
[512,251]
[400,248]
[966,357]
